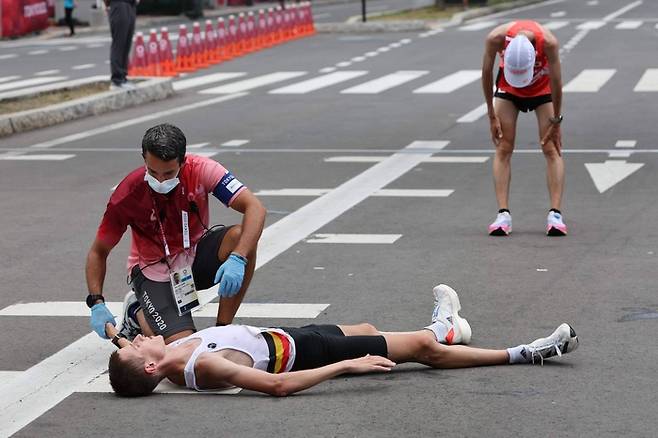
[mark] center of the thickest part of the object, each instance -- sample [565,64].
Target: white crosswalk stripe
[319,82]
[648,81]
[385,82]
[83,66]
[184,84]
[473,115]
[8,56]
[250,84]
[30,82]
[47,72]
[451,82]
[478,26]
[589,81]
[629,25]
[354,238]
[591,25]
[9,78]
[387,193]
[555,25]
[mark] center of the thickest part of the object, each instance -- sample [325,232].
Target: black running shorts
[156,297]
[525,104]
[320,345]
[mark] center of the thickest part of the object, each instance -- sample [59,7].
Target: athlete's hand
[554,134]
[230,275]
[496,130]
[101,315]
[369,364]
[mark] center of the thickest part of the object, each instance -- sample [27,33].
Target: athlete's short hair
[128,378]
[165,141]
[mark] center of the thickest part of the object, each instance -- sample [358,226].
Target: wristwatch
[556,120]
[92,298]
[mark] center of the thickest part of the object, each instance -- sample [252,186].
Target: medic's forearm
[253,222]
[95,270]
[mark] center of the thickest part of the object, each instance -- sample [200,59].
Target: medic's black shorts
[320,345]
[156,297]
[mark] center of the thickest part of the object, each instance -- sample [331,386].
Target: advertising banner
[19,17]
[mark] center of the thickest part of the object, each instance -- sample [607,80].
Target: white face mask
[163,187]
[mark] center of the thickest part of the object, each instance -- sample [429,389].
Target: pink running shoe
[502,226]
[554,224]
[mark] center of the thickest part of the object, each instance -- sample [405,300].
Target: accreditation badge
[184,290]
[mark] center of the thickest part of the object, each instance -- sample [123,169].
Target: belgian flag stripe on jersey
[279,347]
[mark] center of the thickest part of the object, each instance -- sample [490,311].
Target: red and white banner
[19,17]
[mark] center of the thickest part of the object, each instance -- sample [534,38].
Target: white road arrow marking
[609,173]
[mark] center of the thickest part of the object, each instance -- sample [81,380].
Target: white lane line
[384,49]
[55,378]
[555,25]
[83,66]
[130,122]
[451,82]
[620,154]
[589,81]
[206,154]
[629,25]
[385,82]
[30,82]
[246,310]
[593,2]
[343,64]
[102,384]
[622,11]
[38,52]
[197,145]
[405,41]
[395,45]
[373,159]
[319,82]
[591,25]
[354,238]
[648,81]
[94,46]
[9,78]
[387,193]
[478,26]
[250,84]
[473,115]
[371,54]
[558,14]
[626,143]
[184,84]
[358,59]
[327,70]
[8,56]
[235,143]
[46,72]
[67,48]
[41,157]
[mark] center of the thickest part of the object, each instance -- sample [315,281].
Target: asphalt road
[599,279]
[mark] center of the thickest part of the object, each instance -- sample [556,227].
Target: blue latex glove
[230,275]
[100,315]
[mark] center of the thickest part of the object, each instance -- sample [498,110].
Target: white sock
[440,331]
[519,354]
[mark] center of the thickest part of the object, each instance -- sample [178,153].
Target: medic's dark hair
[165,141]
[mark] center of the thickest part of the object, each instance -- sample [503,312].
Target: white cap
[519,62]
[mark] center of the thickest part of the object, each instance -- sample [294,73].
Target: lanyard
[163,237]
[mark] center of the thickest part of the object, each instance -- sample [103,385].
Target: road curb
[151,90]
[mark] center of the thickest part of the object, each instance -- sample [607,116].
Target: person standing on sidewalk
[122,16]
[69,5]
[529,79]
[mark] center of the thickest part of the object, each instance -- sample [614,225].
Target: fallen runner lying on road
[285,360]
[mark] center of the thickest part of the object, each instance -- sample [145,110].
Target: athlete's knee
[505,148]
[368,329]
[429,351]
[549,151]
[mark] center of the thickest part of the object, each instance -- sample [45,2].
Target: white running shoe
[129,326]
[502,226]
[554,224]
[562,341]
[446,311]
